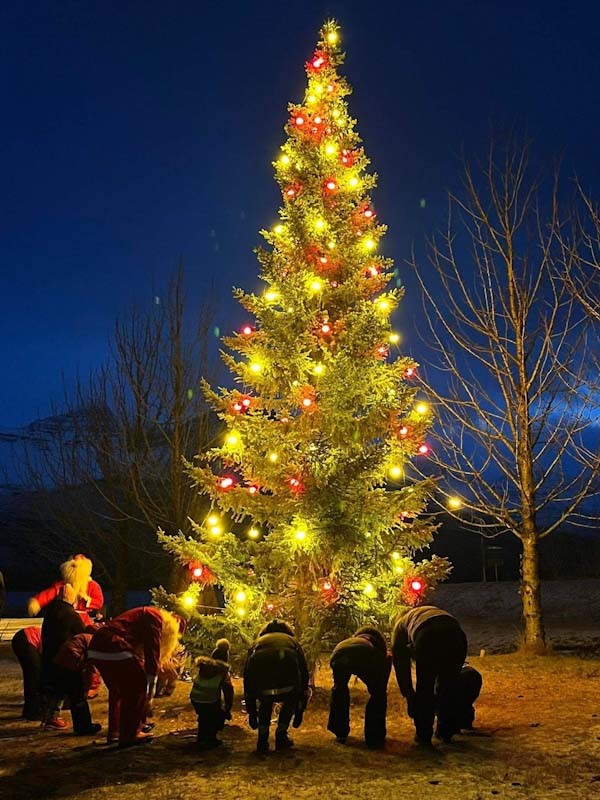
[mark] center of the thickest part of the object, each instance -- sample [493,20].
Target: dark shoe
[262,747]
[283,741]
[377,745]
[209,744]
[147,727]
[341,739]
[139,739]
[93,729]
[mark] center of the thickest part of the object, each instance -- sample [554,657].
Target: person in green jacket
[212,695]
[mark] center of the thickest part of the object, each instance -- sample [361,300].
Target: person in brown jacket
[438,645]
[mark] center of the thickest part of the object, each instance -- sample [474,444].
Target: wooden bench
[9,626]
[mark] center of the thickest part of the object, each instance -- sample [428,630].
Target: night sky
[135,133]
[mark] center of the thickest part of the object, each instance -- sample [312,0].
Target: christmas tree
[313,516]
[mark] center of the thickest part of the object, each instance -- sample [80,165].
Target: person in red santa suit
[76,571]
[128,651]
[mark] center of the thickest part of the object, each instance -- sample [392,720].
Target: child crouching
[212,695]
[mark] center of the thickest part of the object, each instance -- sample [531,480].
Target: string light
[416,585]
[353,182]
[383,304]
[399,569]
[330,149]
[369,590]
[423,449]
[197,572]
[188,600]
[252,489]
[370,243]
[256,367]
[320,224]
[331,245]
[454,502]
[301,535]
[212,519]
[273,457]
[299,120]
[316,285]
[396,555]
[421,408]
[233,439]
[332,37]
[271,296]
[410,372]
[403,431]
[307,402]
[394,338]
[311,99]
[331,185]
[241,612]
[284,160]
[241,596]
[395,471]
[247,330]
[226,483]
[216,530]
[318,369]
[325,328]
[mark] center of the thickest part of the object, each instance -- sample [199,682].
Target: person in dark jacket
[470,688]
[61,623]
[438,645]
[365,655]
[69,683]
[27,647]
[212,683]
[275,672]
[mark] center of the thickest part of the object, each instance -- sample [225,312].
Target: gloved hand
[33,607]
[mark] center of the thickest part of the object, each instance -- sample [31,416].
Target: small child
[212,682]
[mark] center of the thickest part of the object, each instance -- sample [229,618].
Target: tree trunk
[121,581]
[534,640]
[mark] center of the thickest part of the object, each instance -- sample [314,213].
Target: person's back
[61,623]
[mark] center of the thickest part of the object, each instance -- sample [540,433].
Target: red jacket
[72,655]
[137,631]
[33,634]
[93,591]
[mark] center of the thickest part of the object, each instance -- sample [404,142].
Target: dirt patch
[538,736]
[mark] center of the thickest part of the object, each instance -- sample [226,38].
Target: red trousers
[126,682]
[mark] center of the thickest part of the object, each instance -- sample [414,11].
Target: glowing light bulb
[369,590]
[273,457]
[252,489]
[318,120]
[332,37]
[226,483]
[246,402]
[319,88]
[331,186]
[325,328]
[284,160]
[247,330]
[299,121]
[394,338]
[373,271]
[330,149]
[237,407]
[353,182]
[396,555]
[255,367]
[279,229]
[311,99]
[216,530]
[241,612]
[403,431]
[410,372]
[241,597]
[320,224]
[336,113]
[395,471]
[197,572]
[369,213]
[270,607]
[307,402]
[318,62]
[301,535]
[421,408]
[316,286]
[188,600]
[271,296]
[233,439]
[370,244]
[423,449]
[399,570]
[416,585]
[454,502]
[383,304]
[331,244]
[323,260]
[318,369]
[213,519]
[327,586]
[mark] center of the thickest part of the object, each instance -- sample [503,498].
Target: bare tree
[507,365]
[108,465]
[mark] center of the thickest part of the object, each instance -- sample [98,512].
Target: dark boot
[283,741]
[262,746]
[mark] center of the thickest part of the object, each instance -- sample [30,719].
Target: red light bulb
[270,607]
[331,186]
[369,213]
[307,402]
[299,121]
[318,120]
[327,586]
[373,272]
[318,62]
[226,483]
[325,328]
[403,431]
[416,585]
[197,572]
[237,407]
[246,402]
[247,330]
[423,449]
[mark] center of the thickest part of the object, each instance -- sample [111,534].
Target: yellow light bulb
[320,224]
[279,229]
[369,590]
[336,113]
[353,182]
[331,245]
[188,600]
[273,457]
[213,519]
[319,88]
[383,304]
[316,286]
[284,160]
[370,244]
[394,338]
[395,471]
[319,369]
[253,533]
[311,99]
[241,612]
[255,367]
[216,530]
[271,296]
[233,439]
[421,408]
[332,37]
[454,502]
[396,555]
[301,535]
[399,570]
[330,149]
[241,596]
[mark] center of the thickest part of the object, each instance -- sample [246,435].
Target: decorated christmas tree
[313,516]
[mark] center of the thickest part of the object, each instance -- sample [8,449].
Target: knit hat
[221,651]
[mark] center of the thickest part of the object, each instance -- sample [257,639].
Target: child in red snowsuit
[128,651]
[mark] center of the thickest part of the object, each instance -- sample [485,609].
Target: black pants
[60,684]
[440,649]
[211,719]
[289,703]
[375,712]
[29,659]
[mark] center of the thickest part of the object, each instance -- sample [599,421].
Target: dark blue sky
[136,132]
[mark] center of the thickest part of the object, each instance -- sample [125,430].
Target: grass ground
[538,736]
